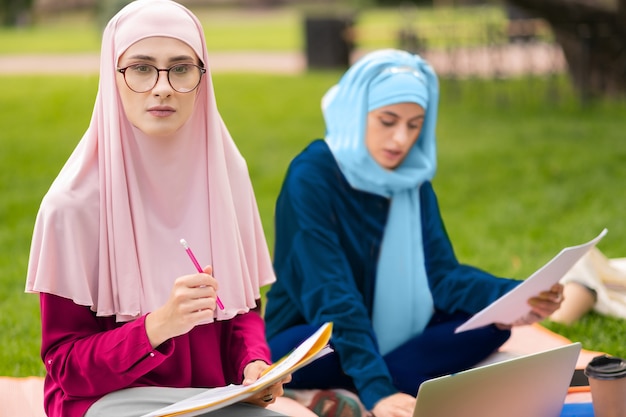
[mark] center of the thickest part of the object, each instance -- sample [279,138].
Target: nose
[401,135]
[162,86]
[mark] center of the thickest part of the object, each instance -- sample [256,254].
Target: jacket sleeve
[85,358]
[316,273]
[455,286]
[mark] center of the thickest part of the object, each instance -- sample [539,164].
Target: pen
[198,267]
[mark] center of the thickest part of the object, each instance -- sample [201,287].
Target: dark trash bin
[522,25]
[329,41]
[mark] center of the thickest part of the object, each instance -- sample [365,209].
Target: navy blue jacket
[327,240]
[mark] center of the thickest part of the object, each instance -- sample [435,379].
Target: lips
[161,111]
[392,154]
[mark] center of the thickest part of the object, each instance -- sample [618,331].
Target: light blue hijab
[403,303]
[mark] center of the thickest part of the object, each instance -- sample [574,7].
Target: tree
[15,12]
[592,34]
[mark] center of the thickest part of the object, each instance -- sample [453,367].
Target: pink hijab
[108,231]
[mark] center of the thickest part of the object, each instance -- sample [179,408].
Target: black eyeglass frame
[159,71]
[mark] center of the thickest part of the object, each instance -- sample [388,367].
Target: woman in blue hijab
[360,242]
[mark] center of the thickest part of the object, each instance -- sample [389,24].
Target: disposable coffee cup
[607,380]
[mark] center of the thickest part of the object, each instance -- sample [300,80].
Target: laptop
[532,385]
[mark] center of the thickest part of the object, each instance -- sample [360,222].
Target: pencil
[198,267]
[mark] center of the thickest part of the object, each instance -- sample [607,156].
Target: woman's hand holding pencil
[192,301]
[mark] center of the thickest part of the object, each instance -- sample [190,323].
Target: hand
[268,396]
[396,405]
[192,301]
[542,305]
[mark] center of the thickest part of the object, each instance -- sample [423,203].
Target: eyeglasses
[143,77]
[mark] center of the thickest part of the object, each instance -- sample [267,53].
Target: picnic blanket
[23,397]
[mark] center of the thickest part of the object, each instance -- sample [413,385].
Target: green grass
[279,29]
[522,173]
[41,121]
[66,33]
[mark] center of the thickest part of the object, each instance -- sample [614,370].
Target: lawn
[523,172]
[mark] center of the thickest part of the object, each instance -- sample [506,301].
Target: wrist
[155,329]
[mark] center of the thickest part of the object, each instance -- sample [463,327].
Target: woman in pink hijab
[128,324]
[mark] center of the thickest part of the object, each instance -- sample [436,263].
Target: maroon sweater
[87,357]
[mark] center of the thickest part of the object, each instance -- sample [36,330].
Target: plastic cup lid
[606,367]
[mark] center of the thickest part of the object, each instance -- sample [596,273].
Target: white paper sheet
[514,304]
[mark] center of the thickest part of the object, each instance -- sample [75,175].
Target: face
[391,132]
[161,111]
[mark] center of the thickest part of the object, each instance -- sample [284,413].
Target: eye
[388,122]
[141,68]
[416,123]
[181,69]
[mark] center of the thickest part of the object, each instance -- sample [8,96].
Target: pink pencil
[198,267]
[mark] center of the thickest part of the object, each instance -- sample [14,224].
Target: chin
[159,131]
[390,165]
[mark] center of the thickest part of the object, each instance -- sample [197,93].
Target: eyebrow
[149,58]
[390,113]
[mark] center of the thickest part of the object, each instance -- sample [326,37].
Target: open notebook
[219,398]
[533,385]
